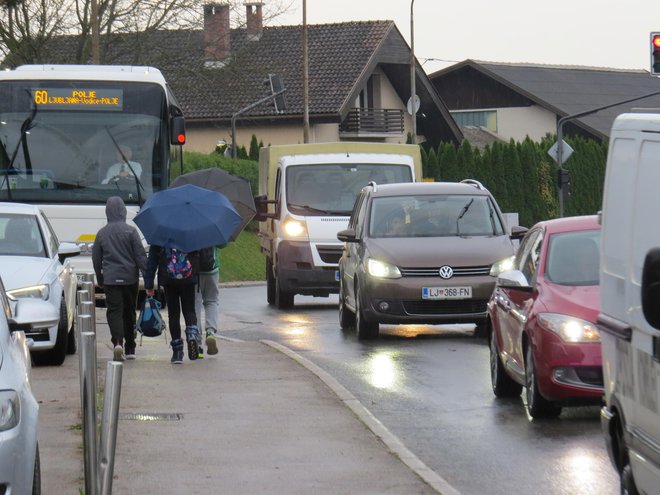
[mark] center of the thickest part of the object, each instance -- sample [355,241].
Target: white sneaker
[118,353]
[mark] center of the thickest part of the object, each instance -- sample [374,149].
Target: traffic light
[655,54]
[564,182]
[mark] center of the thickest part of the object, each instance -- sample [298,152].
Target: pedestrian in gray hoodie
[118,257]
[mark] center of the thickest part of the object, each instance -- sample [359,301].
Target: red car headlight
[570,329]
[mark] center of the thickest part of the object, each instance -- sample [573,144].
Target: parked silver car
[33,264]
[19,410]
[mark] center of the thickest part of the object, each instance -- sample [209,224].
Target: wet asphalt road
[430,386]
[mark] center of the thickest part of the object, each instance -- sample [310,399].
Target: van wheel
[365,330]
[346,316]
[537,405]
[627,482]
[270,283]
[503,385]
[56,355]
[283,299]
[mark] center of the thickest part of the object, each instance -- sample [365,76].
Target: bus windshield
[81,142]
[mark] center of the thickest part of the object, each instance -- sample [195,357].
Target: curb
[435,481]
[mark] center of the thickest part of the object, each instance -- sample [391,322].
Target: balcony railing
[373,121]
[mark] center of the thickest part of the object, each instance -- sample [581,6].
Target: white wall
[519,122]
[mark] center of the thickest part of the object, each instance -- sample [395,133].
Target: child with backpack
[177,274]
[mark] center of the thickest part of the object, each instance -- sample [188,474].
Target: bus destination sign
[78,99]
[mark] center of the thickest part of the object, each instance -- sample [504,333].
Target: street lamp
[412,74]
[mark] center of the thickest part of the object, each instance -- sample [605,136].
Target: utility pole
[305,77]
[96,42]
[413,90]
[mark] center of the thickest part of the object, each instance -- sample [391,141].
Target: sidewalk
[249,420]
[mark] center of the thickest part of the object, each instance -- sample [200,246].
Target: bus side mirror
[178,130]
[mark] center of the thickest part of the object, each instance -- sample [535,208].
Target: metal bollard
[88,388]
[109,423]
[88,308]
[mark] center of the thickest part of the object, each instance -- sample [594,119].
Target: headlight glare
[502,266]
[295,228]
[382,269]
[35,291]
[10,410]
[570,329]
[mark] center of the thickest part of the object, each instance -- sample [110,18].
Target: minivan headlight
[570,329]
[35,291]
[382,269]
[10,410]
[294,228]
[502,266]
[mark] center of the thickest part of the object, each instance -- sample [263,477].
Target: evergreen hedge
[523,177]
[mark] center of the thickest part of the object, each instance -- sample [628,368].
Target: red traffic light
[656,42]
[655,53]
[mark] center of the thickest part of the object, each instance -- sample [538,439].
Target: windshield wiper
[138,184]
[309,208]
[27,124]
[462,214]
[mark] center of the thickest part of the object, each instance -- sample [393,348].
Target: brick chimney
[254,20]
[217,33]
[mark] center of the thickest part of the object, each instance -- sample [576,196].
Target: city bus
[64,129]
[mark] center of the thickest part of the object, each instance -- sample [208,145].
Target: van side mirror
[261,203]
[518,232]
[178,130]
[651,288]
[347,235]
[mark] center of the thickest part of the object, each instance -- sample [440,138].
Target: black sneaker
[200,352]
[177,351]
[129,352]
[193,348]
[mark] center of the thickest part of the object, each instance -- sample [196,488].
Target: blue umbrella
[187,218]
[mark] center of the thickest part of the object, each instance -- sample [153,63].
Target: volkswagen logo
[446,272]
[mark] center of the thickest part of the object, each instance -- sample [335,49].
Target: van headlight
[35,291]
[381,269]
[10,410]
[502,266]
[570,329]
[294,228]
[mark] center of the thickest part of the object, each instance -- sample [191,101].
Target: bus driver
[121,169]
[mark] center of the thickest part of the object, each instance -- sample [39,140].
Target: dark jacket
[157,264]
[118,254]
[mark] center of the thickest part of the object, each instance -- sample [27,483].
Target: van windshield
[573,258]
[331,189]
[434,216]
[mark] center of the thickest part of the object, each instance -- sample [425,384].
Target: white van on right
[630,301]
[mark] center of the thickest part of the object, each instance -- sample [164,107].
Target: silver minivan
[425,252]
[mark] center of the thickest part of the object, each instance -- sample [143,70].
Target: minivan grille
[330,254]
[467,306]
[459,271]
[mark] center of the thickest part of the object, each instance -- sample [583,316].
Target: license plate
[336,275]
[464,292]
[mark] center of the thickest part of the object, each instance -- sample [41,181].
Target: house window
[487,119]
[370,96]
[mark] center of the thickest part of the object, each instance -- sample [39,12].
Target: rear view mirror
[651,288]
[513,279]
[261,203]
[347,235]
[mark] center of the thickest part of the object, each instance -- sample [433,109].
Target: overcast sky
[594,33]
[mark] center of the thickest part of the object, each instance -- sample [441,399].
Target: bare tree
[27,26]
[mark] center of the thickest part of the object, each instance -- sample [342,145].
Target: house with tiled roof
[518,100]
[359,80]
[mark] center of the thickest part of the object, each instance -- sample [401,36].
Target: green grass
[242,259]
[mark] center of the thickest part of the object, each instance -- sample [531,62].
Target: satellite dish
[409,104]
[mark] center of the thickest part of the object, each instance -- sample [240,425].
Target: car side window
[529,260]
[360,213]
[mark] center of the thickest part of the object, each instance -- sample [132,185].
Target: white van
[630,301]
[306,195]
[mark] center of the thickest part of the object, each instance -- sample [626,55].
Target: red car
[542,319]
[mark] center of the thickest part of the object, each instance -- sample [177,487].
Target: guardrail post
[88,389]
[109,422]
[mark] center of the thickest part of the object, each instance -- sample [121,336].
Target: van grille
[459,271]
[468,306]
[329,254]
